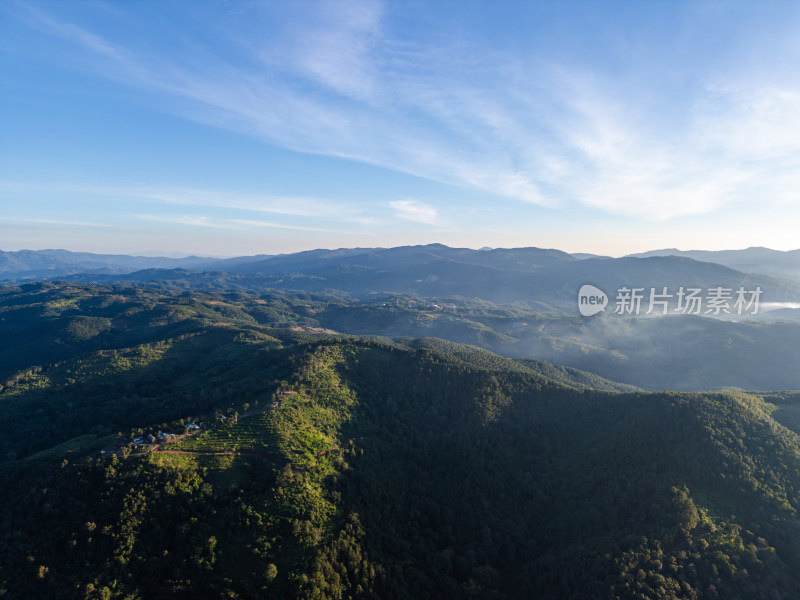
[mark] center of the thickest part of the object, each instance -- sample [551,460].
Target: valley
[330,465]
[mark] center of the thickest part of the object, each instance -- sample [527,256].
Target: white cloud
[414,210]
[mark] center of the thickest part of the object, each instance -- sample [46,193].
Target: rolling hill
[330,466]
[680,352]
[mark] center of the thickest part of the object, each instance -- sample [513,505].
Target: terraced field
[256,432]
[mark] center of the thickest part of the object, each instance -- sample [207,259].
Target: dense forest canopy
[289,461]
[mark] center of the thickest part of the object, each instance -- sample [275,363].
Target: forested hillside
[290,462]
[56,320]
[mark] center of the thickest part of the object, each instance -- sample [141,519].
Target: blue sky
[243,127]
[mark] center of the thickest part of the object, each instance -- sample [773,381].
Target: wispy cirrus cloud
[188,220]
[205,221]
[250,223]
[336,48]
[68,223]
[338,80]
[289,206]
[283,205]
[735,147]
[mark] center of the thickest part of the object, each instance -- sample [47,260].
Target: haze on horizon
[237,128]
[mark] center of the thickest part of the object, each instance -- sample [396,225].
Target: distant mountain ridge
[547,277]
[48,264]
[775,263]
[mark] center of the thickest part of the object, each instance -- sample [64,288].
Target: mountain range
[521,303]
[532,276]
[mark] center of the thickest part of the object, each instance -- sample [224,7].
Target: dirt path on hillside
[254,453]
